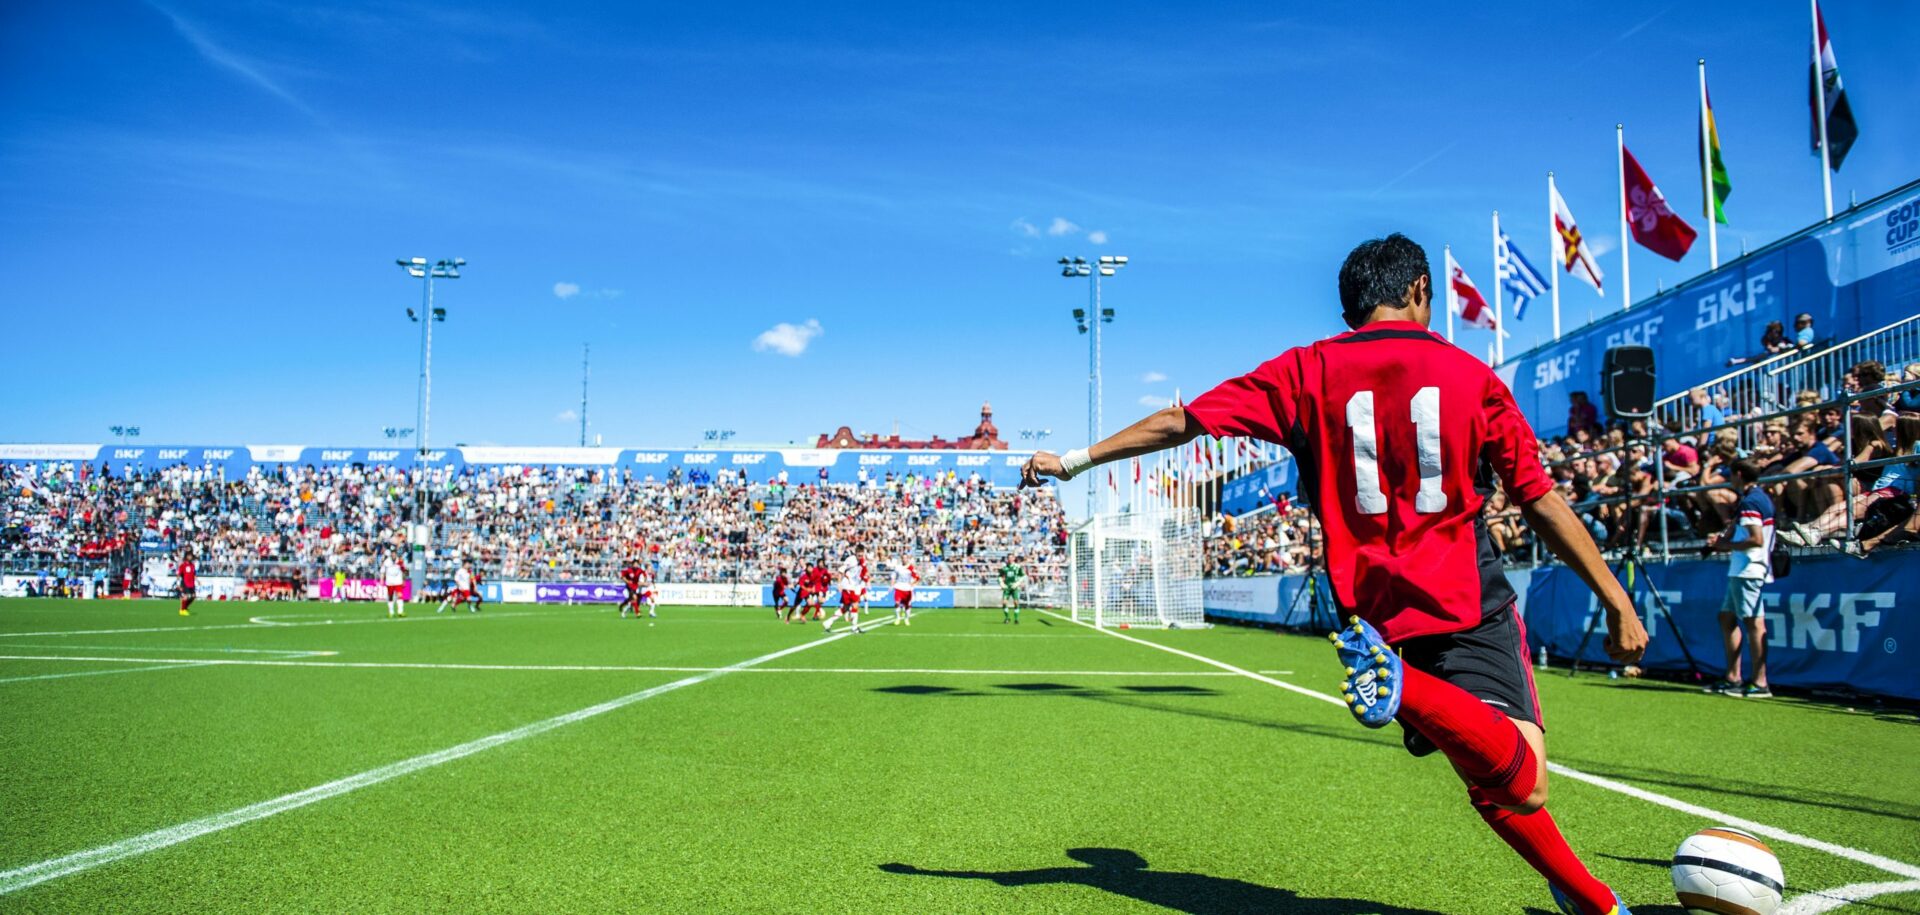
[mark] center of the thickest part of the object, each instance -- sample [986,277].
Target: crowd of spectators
[1614,478]
[521,523]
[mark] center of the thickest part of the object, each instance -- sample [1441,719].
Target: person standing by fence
[1750,540]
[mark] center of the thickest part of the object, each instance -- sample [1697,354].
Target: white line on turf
[288,652]
[630,668]
[263,621]
[1853,854]
[102,673]
[20,878]
[1817,901]
[375,616]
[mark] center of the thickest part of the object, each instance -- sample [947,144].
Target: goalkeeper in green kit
[1012,579]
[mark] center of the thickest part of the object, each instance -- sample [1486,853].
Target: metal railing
[1775,382]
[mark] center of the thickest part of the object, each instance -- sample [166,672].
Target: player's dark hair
[1745,472]
[1379,272]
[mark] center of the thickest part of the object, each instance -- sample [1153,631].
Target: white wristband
[1075,461]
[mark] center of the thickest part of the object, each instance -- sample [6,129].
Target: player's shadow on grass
[1136,696]
[1125,873]
[1799,794]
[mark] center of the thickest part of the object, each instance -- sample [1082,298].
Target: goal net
[1137,569]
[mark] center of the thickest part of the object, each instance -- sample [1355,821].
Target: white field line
[263,621]
[1827,900]
[629,668]
[1870,859]
[380,617]
[287,652]
[20,878]
[102,673]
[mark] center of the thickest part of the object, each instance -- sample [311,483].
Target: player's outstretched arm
[1554,522]
[1159,431]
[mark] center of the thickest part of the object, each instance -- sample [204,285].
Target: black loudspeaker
[1626,382]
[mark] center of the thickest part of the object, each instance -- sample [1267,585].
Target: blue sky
[204,200]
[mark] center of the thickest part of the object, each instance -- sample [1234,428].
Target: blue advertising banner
[1250,491]
[578,593]
[1836,622]
[1857,273]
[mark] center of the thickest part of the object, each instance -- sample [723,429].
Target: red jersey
[186,572]
[1396,434]
[631,575]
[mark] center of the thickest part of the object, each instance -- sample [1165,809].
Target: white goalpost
[1136,569]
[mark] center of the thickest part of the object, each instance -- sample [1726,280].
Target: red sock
[1537,838]
[1473,734]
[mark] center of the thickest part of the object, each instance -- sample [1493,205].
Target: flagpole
[1499,313]
[1449,252]
[1820,111]
[1626,241]
[1706,175]
[1553,244]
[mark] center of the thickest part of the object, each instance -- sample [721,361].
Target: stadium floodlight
[1088,321]
[447,268]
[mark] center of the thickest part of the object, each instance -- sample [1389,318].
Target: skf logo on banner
[870,459]
[217,454]
[1732,301]
[750,458]
[172,454]
[1640,334]
[972,460]
[327,454]
[382,455]
[1554,370]
[431,457]
[922,460]
[1903,227]
[706,457]
[1016,460]
[649,457]
[128,454]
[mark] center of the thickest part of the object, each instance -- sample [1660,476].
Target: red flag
[1465,298]
[1655,225]
[1136,470]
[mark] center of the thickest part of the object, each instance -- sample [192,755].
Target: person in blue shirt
[1750,541]
[1803,330]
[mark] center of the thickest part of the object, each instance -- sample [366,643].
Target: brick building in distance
[985,437]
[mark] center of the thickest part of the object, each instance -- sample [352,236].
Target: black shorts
[186,592]
[1489,661]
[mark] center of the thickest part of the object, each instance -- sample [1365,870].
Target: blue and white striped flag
[1515,275]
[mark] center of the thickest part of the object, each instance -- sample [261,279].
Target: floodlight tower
[447,268]
[1089,321]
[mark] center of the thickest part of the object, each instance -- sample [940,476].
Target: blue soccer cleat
[1567,906]
[1371,686]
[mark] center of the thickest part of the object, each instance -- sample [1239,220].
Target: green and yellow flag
[1715,203]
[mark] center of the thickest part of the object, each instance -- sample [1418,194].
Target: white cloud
[1156,401]
[1026,228]
[788,339]
[566,290]
[1060,226]
[1097,237]
[566,416]
[1153,377]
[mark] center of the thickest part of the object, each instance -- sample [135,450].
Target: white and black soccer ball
[1723,871]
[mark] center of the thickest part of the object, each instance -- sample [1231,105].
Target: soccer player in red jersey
[1398,436]
[780,594]
[187,572]
[631,576]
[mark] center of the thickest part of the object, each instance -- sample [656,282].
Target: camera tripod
[1632,569]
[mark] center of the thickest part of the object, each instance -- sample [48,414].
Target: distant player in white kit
[905,576]
[462,591]
[393,574]
[850,593]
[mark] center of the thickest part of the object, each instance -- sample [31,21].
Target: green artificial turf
[957,765]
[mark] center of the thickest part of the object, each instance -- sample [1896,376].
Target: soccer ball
[1723,871]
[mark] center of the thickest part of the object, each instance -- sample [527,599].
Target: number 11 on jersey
[1369,489]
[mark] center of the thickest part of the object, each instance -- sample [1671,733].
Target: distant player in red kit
[780,594]
[1398,435]
[631,576]
[188,579]
[905,576]
[818,579]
